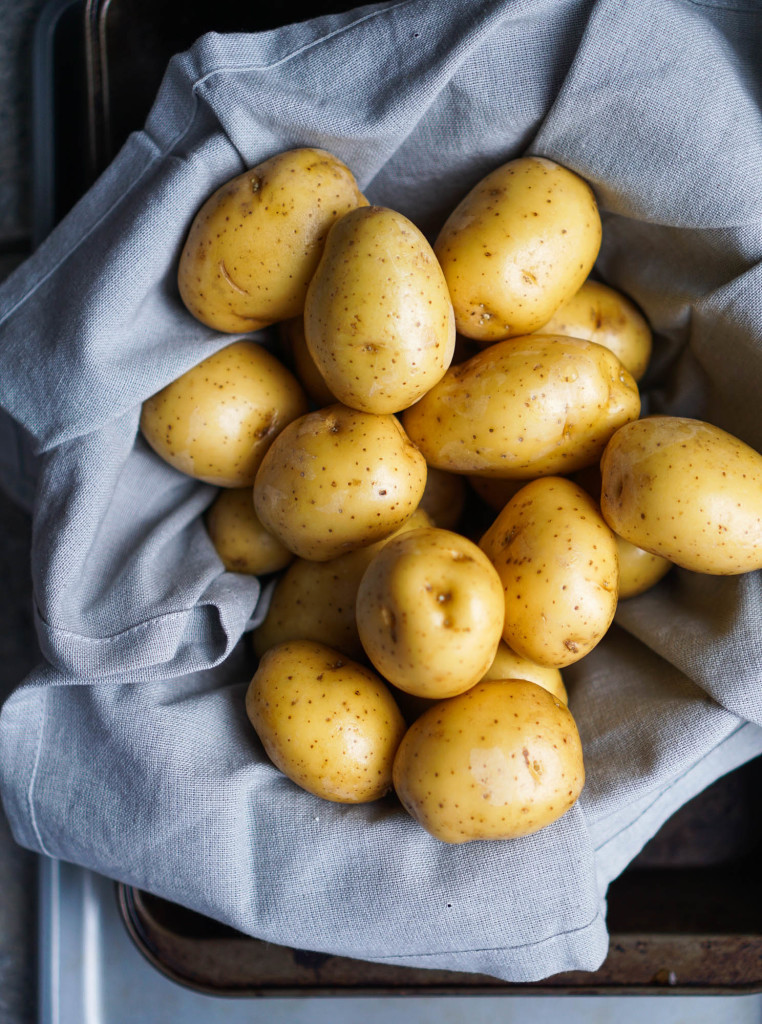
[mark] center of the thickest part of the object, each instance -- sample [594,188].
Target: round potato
[557,561]
[216,421]
[524,408]
[687,491]
[498,762]
[239,538]
[292,332]
[509,665]
[518,246]
[639,570]
[329,724]
[603,315]
[378,317]
[444,498]
[255,243]
[338,479]
[430,612]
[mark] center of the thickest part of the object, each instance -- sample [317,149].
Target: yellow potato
[685,490]
[338,479]
[239,538]
[524,408]
[603,315]
[495,491]
[316,600]
[430,612]
[329,724]
[378,317]
[498,762]
[518,246]
[509,665]
[292,332]
[557,561]
[639,570]
[255,243]
[216,421]
[444,498]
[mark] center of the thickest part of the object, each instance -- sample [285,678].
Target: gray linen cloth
[128,749]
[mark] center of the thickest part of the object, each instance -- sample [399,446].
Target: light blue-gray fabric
[128,750]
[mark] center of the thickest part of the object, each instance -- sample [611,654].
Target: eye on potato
[239,538]
[255,243]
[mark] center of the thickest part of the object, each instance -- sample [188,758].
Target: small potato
[430,613]
[495,491]
[603,315]
[509,665]
[292,332]
[316,600]
[498,762]
[255,243]
[639,570]
[557,561]
[378,317]
[444,498]
[239,538]
[687,491]
[329,724]
[216,421]
[524,408]
[518,246]
[338,479]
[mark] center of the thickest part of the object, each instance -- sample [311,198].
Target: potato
[443,498]
[239,538]
[518,246]
[292,332]
[603,315]
[216,421]
[685,490]
[495,491]
[316,600]
[557,561]
[498,762]
[329,724]
[430,612]
[509,665]
[639,570]
[338,479]
[524,408]
[378,317]
[255,243]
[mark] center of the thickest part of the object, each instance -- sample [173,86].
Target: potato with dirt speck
[243,544]
[509,665]
[498,762]
[329,724]
[338,479]
[255,243]
[217,420]
[602,314]
[430,612]
[524,408]
[557,561]
[517,247]
[378,317]
[687,491]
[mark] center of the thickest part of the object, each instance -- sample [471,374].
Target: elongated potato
[524,408]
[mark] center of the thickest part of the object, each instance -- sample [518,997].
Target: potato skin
[509,665]
[444,498]
[557,560]
[337,480]
[430,612]
[378,318]
[217,420]
[308,375]
[639,570]
[524,408]
[239,538]
[255,243]
[500,761]
[518,246]
[685,490]
[602,314]
[329,724]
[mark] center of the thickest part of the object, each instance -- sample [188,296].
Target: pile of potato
[454,478]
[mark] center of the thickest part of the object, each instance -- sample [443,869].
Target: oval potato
[509,665]
[308,375]
[243,544]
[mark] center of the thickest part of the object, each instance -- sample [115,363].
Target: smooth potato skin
[378,318]
[329,724]
[687,491]
[239,538]
[255,243]
[339,479]
[639,570]
[500,761]
[308,375]
[216,421]
[509,665]
[444,498]
[601,314]
[523,408]
[557,560]
[518,246]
